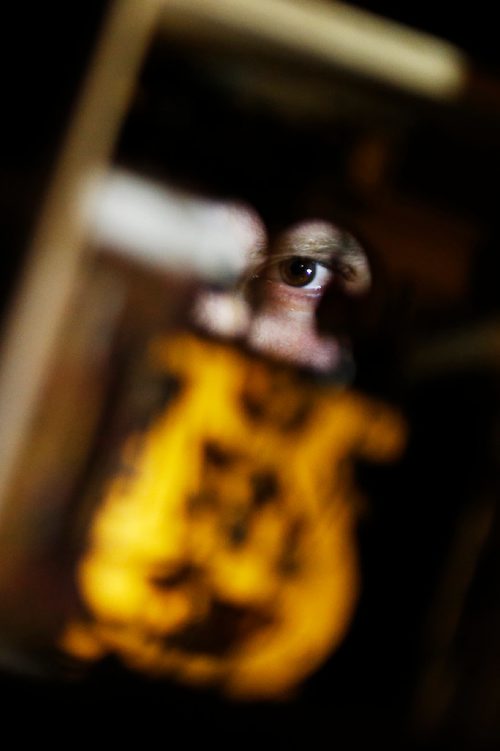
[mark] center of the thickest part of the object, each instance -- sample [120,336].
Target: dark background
[366,692]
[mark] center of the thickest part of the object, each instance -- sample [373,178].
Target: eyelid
[273,264]
[275,261]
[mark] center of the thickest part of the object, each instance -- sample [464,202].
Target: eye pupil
[297,271]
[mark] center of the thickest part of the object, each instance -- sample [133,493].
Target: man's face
[274,308]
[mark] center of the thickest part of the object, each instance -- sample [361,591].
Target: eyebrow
[322,246]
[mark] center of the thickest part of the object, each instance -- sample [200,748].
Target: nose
[338,312]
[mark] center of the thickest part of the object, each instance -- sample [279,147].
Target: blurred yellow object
[224,552]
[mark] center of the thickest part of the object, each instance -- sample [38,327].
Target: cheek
[283,300]
[284,327]
[292,337]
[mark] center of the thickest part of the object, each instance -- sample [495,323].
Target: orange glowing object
[224,553]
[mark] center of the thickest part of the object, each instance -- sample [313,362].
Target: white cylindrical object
[164,228]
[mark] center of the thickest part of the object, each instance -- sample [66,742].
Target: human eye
[298,272]
[303,264]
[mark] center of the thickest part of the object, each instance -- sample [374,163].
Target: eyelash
[277,271]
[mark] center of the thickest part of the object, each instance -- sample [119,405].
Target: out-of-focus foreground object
[223,552]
